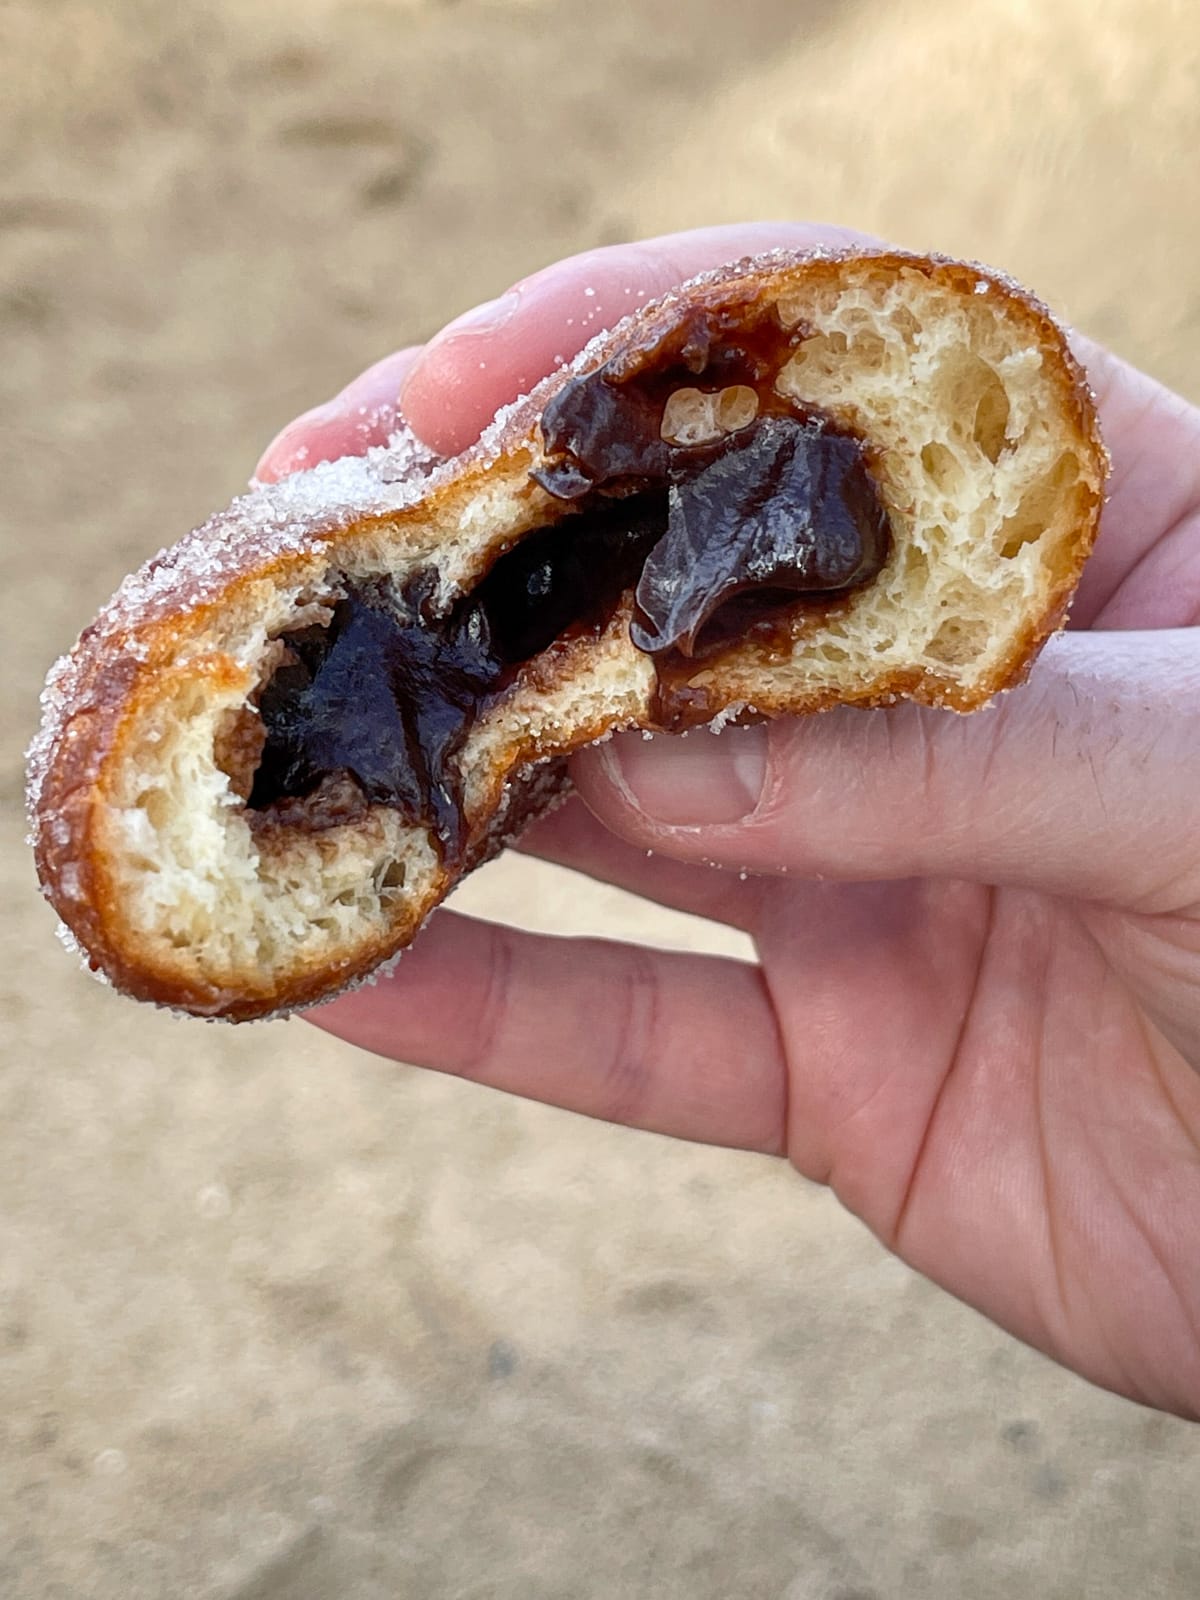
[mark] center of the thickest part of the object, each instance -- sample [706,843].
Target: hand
[976,1013]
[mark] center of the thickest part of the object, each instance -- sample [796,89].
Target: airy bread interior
[991,476]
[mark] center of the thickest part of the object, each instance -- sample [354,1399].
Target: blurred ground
[281,1323]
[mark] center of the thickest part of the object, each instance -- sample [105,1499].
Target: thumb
[1086,781]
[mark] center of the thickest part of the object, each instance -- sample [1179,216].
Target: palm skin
[976,1008]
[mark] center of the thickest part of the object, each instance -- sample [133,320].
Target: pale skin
[976,1008]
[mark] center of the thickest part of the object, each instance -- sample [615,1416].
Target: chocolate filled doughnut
[797,482]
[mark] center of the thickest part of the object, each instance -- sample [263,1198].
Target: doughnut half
[800,481]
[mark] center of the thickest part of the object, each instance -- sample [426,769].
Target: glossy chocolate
[388,691]
[382,696]
[786,509]
[603,430]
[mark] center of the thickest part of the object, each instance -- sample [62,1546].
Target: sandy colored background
[280,1322]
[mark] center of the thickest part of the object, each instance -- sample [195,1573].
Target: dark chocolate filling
[787,508]
[388,691]
[712,540]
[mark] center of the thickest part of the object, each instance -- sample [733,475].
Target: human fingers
[678,1044]
[1145,569]
[365,413]
[573,837]
[499,350]
[1084,782]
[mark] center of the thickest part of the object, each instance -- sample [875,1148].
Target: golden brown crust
[280,536]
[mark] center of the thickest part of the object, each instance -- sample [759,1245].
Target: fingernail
[697,781]
[487,318]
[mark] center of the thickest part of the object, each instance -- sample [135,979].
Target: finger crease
[894,1238]
[481,1055]
[630,1067]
